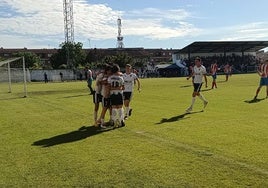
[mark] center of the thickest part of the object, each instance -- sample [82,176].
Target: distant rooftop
[224,46]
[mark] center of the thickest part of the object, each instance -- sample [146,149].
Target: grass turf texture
[47,139]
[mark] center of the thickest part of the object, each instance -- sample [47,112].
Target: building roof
[224,46]
[167,66]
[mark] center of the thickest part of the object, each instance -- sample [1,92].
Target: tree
[94,58]
[120,58]
[31,60]
[108,59]
[75,52]
[140,62]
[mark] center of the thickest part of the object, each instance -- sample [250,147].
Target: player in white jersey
[263,73]
[116,87]
[97,96]
[105,92]
[199,71]
[129,80]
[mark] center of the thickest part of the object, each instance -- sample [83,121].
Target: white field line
[202,151]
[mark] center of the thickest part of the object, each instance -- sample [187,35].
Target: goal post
[24,77]
[9,73]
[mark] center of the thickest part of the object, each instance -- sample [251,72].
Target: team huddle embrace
[114,91]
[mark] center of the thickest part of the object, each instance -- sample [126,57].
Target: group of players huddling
[114,90]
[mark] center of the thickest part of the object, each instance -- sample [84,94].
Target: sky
[145,23]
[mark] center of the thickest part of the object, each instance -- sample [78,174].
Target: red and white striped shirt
[213,68]
[263,69]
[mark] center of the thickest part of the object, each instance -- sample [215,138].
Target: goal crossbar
[8,61]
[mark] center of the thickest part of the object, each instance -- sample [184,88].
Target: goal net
[13,71]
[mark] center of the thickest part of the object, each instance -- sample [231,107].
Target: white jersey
[129,81]
[199,72]
[89,74]
[98,86]
[116,81]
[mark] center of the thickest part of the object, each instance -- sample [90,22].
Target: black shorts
[197,87]
[106,102]
[214,76]
[127,95]
[117,99]
[97,97]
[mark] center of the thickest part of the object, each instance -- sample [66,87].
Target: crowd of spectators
[238,64]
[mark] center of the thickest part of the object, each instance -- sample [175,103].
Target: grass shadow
[254,100]
[186,86]
[176,118]
[80,134]
[73,96]
[13,98]
[222,81]
[204,90]
[53,92]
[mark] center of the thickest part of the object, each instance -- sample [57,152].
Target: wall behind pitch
[52,75]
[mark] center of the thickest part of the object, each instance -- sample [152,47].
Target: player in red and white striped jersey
[263,72]
[227,71]
[213,71]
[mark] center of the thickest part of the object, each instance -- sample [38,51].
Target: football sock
[121,114]
[114,114]
[202,97]
[95,115]
[127,111]
[193,101]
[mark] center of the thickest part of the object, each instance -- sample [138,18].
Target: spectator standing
[61,76]
[45,77]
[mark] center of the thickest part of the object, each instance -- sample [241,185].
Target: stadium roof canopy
[224,47]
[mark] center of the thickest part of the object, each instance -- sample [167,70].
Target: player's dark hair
[115,68]
[107,67]
[198,58]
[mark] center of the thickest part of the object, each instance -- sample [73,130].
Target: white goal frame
[8,61]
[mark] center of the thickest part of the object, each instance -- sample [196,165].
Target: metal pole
[24,74]
[9,77]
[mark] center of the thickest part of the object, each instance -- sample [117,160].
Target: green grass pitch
[43,144]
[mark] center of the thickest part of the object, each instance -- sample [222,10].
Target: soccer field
[47,139]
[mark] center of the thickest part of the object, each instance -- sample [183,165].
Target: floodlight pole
[9,78]
[24,75]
